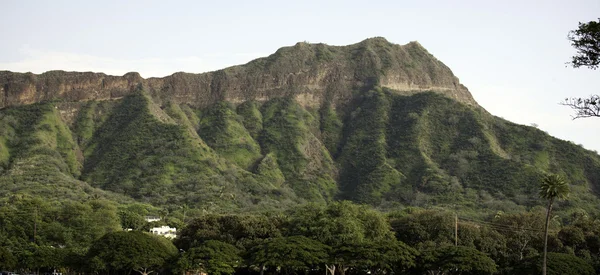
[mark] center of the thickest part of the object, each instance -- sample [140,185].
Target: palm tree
[553,187]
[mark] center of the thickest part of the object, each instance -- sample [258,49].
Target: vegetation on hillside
[382,148]
[338,238]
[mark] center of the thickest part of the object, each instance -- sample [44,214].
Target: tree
[553,187]
[131,220]
[341,226]
[291,253]
[212,257]
[584,107]
[559,264]
[46,257]
[7,259]
[383,257]
[424,225]
[455,260]
[134,250]
[521,231]
[586,40]
[239,230]
[572,236]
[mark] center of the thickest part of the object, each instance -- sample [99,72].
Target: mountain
[311,73]
[373,122]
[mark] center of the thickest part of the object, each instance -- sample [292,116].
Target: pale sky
[510,54]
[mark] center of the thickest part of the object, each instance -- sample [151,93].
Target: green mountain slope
[38,156]
[224,131]
[304,161]
[372,122]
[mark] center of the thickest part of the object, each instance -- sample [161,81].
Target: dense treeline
[340,238]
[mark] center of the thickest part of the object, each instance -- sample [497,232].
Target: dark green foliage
[303,160]
[586,40]
[297,253]
[131,220]
[7,259]
[424,226]
[239,230]
[251,117]
[224,131]
[455,260]
[127,251]
[558,264]
[439,133]
[85,125]
[135,154]
[348,228]
[340,224]
[524,233]
[381,257]
[212,257]
[483,238]
[331,128]
[68,224]
[366,175]
[571,236]
[44,235]
[45,257]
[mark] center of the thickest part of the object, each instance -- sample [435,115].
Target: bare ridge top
[312,73]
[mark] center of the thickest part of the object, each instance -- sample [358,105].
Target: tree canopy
[558,264]
[586,40]
[134,250]
[296,253]
[212,257]
[552,187]
[455,260]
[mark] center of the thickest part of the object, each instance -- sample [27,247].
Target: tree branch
[584,107]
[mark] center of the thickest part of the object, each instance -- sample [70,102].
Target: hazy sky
[510,54]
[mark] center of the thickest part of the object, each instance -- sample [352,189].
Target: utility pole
[34,223]
[455,229]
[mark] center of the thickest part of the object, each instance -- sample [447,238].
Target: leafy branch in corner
[584,107]
[586,40]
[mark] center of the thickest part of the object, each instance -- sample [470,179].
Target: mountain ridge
[312,72]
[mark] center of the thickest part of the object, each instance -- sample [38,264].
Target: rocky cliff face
[312,73]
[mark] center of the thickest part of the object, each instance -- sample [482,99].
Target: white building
[165,231]
[152,219]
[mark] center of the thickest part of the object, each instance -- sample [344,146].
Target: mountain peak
[376,39]
[317,71]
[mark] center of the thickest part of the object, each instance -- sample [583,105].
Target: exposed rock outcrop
[313,73]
